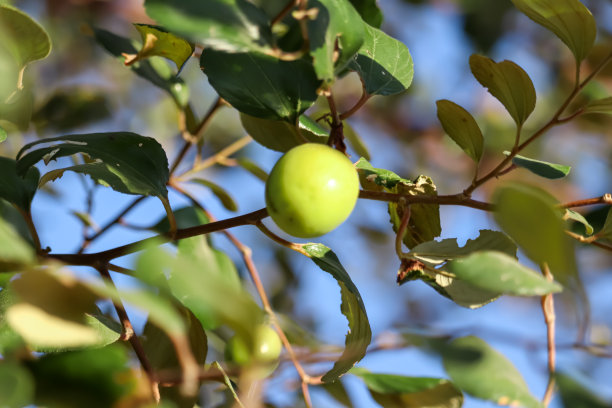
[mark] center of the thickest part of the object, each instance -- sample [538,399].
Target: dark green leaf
[127,162]
[575,394]
[398,391]
[260,85]
[158,42]
[569,20]
[541,168]
[383,63]
[223,196]
[336,21]
[529,215]
[14,251]
[226,25]
[72,108]
[154,70]
[96,378]
[16,385]
[282,136]
[498,272]
[15,189]
[461,126]
[606,231]
[369,11]
[576,216]
[253,168]
[599,106]
[338,392]
[484,373]
[185,217]
[359,334]
[507,82]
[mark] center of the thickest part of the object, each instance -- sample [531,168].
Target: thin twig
[27,216]
[291,4]
[399,237]
[364,98]
[217,157]
[548,308]
[604,199]
[457,199]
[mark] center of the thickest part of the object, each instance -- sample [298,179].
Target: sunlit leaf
[507,82]
[154,70]
[359,334]
[15,189]
[383,63]
[3,134]
[260,85]
[227,25]
[282,136]
[253,168]
[398,391]
[576,216]
[481,371]
[529,215]
[127,162]
[16,385]
[461,126]
[14,251]
[219,192]
[599,106]
[336,20]
[569,20]
[158,42]
[541,168]
[17,111]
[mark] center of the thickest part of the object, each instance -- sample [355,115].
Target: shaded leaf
[507,82]
[253,168]
[336,21]
[14,251]
[71,109]
[17,190]
[606,231]
[158,42]
[260,85]
[576,216]
[185,217]
[127,162]
[398,391]
[575,394]
[282,136]
[599,106]
[359,335]
[338,392]
[223,196]
[481,371]
[569,20]
[461,126]
[369,11]
[529,215]
[227,25]
[383,63]
[541,168]
[498,272]
[154,70]
[16,385]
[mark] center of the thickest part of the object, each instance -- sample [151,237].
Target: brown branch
[364,98]
[27,216]
[458,199]
[604,199]
[283,12]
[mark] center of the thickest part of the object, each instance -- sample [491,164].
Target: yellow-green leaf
[158,42]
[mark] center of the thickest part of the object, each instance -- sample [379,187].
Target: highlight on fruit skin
[311,190]
[265,348]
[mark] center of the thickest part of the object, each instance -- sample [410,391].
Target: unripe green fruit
[311,190]
[265,348]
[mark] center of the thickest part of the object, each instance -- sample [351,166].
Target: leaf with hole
[461,126]
[569,20]
[126,162]
[383,63]
[359,335]
[541,168]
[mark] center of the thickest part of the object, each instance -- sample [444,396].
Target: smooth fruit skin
[265,349]
[311,190]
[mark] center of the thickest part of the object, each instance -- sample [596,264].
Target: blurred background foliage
[81,88]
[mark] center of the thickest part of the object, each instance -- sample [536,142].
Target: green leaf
[158,42]
[16,385]
[398,391]
[69,109]
[541,168]
[282,136]
[127,162]
[23,39]
[529,215]
[225,25]
[569,20]
[154,70]
[372,178]
[507,82]
[575,394]
[337,391]
[223,196]
[461,126]
[95,378]
[15,189]
[359,335]
[369,11]
[383,63]
[336,20]
[161,354]
[606,231]
[17,111]
[498,272]
[14,251]
[253,168]
[185,217]
[481,371]
[260,85]
[576,216]
[599,106]
[3,134]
